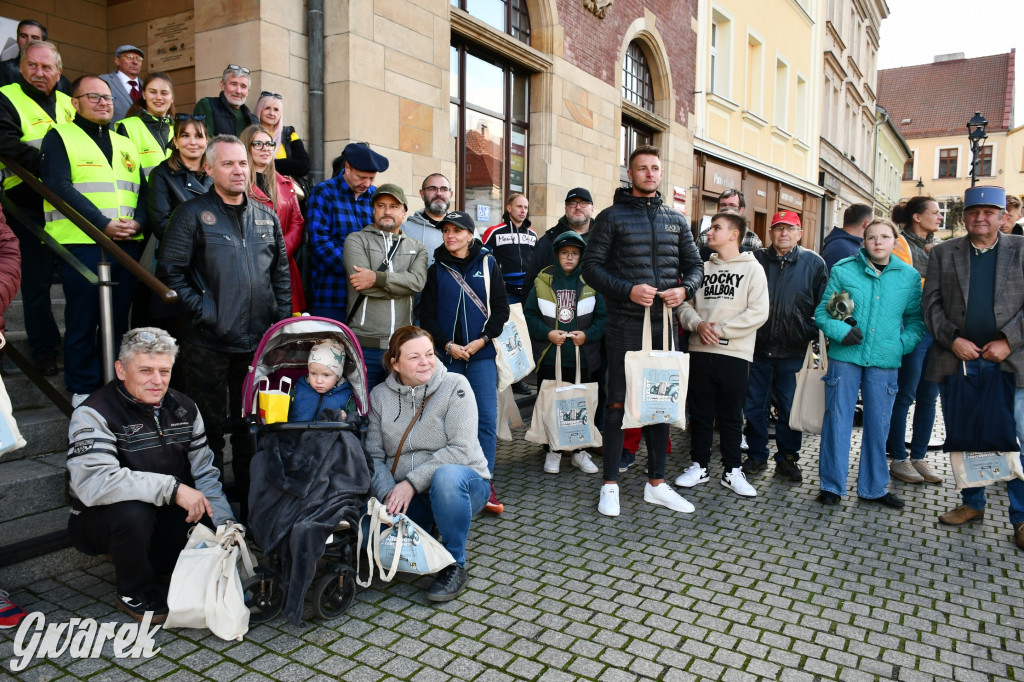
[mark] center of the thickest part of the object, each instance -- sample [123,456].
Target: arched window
[490,106]
[638,90]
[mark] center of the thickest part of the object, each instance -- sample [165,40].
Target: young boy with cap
[562,307]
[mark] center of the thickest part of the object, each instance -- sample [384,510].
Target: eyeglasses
[190,117]
[785,228]
[437,190]
[236,67]
[576,204]
[260,144]
[569,254]
[879,238]
[275,95]
[95,97]
[131,56]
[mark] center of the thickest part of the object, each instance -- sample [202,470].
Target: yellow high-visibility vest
[146,144]
[113,189]
[35,122]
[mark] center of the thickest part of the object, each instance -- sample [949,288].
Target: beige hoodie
[733,298]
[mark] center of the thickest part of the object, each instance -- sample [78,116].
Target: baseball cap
[579,193]
[459,219]
[392,189]
[786,218]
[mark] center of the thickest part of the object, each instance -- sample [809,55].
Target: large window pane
[485,168]
[491,12]
[520,96]
[453,87]
[485,85]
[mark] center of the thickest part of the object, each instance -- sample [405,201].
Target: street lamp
[976,134]
[919,186]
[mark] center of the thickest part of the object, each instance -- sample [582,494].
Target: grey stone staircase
[33,480]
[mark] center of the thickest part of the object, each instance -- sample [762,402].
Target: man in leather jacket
[796,280]
[141,472]
[225,256]
[640,254]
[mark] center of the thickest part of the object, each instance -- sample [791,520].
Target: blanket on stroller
[303,485]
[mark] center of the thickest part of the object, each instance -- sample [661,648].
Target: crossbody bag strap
[469,291]
[380,268]
[398,453]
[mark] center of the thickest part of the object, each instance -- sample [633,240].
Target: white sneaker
[609,503]
[693,475]
[552,461]
[737,482]
[581,460]
[78,398]
[663,495]
[743,443]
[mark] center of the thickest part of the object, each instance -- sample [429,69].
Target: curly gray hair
[146,340]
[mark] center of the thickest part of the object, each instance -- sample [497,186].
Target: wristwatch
[486,338]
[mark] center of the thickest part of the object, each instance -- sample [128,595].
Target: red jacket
[10,266]
[293,227]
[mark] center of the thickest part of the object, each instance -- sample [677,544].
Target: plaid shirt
[334,213]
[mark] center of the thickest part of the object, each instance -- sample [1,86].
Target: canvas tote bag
[206,588]
[10,436]
[656,380]
[396,544]
[808,410]
[563,415]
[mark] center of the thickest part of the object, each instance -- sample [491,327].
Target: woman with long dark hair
[148,122]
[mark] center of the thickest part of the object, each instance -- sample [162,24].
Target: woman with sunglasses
[276,192]
[290,157]
[148,122]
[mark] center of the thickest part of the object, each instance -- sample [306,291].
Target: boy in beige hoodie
[723,318]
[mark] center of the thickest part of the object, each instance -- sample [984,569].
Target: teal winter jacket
[886,305]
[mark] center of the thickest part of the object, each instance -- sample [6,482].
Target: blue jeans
[456,495]
[878,388]
[83,370]
[975,497]
[913,387]
[483,379]
[770,376]
[375,372]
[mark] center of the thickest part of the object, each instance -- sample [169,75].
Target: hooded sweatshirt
[734,298]
[839,244]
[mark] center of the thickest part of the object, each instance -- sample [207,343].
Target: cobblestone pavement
[774,587]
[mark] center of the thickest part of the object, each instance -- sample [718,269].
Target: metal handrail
[147,278]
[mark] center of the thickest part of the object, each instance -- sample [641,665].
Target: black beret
[362,158]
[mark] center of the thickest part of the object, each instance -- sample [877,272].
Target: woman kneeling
[427,459]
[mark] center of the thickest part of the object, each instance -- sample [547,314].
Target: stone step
[45,429]
[14,316]
[48,565]
[29,487]
[23,393]
[35,526]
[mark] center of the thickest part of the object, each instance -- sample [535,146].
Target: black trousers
[717,388]
[144,540]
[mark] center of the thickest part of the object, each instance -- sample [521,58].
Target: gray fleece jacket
[445,432]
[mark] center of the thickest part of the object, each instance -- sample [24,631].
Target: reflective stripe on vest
[35,122]
[149,149]
[114,191]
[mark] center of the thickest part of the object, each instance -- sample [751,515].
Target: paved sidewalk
[774,587]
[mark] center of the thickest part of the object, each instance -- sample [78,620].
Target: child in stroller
[310,475]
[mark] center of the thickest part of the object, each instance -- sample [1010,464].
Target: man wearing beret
[337,208]
[386,269]
[973,305]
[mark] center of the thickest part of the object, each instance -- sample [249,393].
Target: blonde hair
[888,223]
[270,174]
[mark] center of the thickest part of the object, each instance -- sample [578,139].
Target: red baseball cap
[786,218]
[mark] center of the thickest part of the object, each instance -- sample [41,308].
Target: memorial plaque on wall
[172,42]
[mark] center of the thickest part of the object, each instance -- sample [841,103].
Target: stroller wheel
[263,596]
[334,592]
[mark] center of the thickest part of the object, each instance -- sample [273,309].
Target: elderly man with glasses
[226,114]
[796,280]
[124,81]
[141,472]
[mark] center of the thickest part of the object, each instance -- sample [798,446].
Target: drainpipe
[315,41]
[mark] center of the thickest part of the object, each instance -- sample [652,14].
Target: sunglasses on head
[190,117]
[236,67]
[275,95]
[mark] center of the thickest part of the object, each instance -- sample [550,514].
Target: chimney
[948,57]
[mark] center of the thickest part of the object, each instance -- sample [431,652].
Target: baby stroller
[309,481]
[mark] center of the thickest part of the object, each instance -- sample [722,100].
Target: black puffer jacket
[796,282]
[639,240]
[231,278]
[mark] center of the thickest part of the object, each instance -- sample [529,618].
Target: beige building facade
[757,126]
[536,96]
[891,155]
[848,122]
